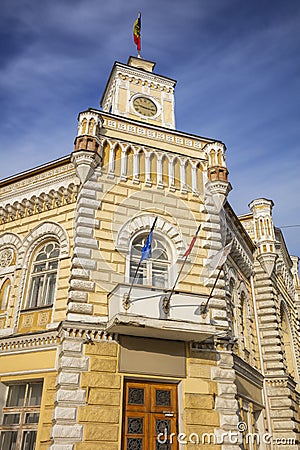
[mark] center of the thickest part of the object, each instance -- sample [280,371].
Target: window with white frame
[20,416]
[154,271]
[43,275]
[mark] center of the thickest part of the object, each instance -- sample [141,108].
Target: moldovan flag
[188,251]
[137,32]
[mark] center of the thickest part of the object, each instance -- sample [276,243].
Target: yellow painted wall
[27,362]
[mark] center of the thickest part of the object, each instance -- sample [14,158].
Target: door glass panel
[135,425]
[134,444]
[135,396]
[163,426]
[163,398]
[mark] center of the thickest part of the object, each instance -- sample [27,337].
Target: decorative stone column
[69,396]
[225,402]
[281,390]
[86,158]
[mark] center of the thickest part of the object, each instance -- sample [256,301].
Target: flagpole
[166,304]
[204,307]
[126,297]
[167,299]
[146,253]
[134,277]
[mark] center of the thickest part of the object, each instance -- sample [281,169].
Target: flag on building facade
[188,251]
[220,257]
[137,32]
[146,250]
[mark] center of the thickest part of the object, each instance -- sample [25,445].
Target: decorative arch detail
[288,338]
[44,231]
[144,222]
[12,240]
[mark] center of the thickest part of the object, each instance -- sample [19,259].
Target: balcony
[148,313]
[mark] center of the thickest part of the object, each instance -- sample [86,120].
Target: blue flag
[146,250]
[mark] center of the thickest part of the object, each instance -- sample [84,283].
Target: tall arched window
[245,321]
[4,294]
[43,275]
[154,271]
[287,342]
[231,307]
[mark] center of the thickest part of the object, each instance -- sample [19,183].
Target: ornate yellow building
[89,361]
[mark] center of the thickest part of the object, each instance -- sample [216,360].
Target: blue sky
[236,62]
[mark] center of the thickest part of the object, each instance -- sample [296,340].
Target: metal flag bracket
[126,301]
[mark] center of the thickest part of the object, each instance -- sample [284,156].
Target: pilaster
[86,158]
[84,242]
[280,387]
[225,403]
[69,396]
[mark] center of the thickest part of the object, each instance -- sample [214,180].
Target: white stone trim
[11,240]
[144,222]
[43,232]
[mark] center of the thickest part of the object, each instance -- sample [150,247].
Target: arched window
[232,307]
[245,321]
[287,342]
[43,275]
[4,294]
[154,271]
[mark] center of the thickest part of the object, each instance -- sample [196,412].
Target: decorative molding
[248,371]
[144,222]
[40,233]
[157,157]
[36,185]
[160,135]
[85,162]
[15,344]
[8,240]
[6,257]
[41,200]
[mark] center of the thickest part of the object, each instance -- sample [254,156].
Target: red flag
[188,251]
[137,31]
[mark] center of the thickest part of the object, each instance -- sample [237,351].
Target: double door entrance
[150,416]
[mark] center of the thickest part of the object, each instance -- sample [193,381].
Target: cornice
[106,115]
[36,170]
[42,186]
[88,332]
[15,344]
[49,196]
[248,372]
[155,134]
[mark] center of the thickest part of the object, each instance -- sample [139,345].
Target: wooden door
[150,411]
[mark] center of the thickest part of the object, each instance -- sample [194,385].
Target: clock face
[145,106]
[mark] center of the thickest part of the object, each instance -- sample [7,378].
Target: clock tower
[134,91]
